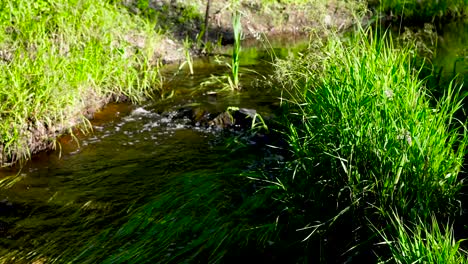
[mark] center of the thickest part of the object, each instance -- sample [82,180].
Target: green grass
[188,56]
[366,138]
[424,10]
[237,29]
[231,81]
[61,58]
[424,243]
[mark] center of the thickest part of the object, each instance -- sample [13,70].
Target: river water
[63,199]
[147,165]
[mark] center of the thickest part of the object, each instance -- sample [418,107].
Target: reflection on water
[452,52]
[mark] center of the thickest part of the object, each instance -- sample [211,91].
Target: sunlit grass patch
[62,59]
[365,135]
[423,243]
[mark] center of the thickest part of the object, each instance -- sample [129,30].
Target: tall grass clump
[424,243]
[61,60]
[365,135]
[426,9]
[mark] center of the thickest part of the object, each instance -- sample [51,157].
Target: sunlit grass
[188,56]
[63,58]
[237,30]
[366,113]
[231,81]
[423,243]
[366,137]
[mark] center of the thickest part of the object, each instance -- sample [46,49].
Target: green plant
[232,80]
[188,56]
[365,135]
[424,10]
[203,223]
[423,243]
[60,59]
[237,30]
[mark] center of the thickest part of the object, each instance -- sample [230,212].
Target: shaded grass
[424,10]
[62,60]
[365,136]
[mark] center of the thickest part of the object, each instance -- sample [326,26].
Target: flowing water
[82,201]
[63,199]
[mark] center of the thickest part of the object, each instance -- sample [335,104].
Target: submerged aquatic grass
[206,221]
[366,136]
[62,60]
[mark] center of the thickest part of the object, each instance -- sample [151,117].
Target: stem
[207,18]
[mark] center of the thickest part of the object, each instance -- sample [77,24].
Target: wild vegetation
[424,10]
[372,159]
[424,242]
[61,61]
[78,55]
[366,136]
[237,30]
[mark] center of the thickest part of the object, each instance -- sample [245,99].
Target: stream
[93,181]
[63,201]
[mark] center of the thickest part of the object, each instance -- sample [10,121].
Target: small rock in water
[140,111]
[223,120]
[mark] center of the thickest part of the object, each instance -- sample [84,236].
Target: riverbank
[61,62]
[420,12]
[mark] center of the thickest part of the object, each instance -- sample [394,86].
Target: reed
[231,81]
[237,29]
[188,56]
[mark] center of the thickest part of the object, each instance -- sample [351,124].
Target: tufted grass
[366,137]
[63,59]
